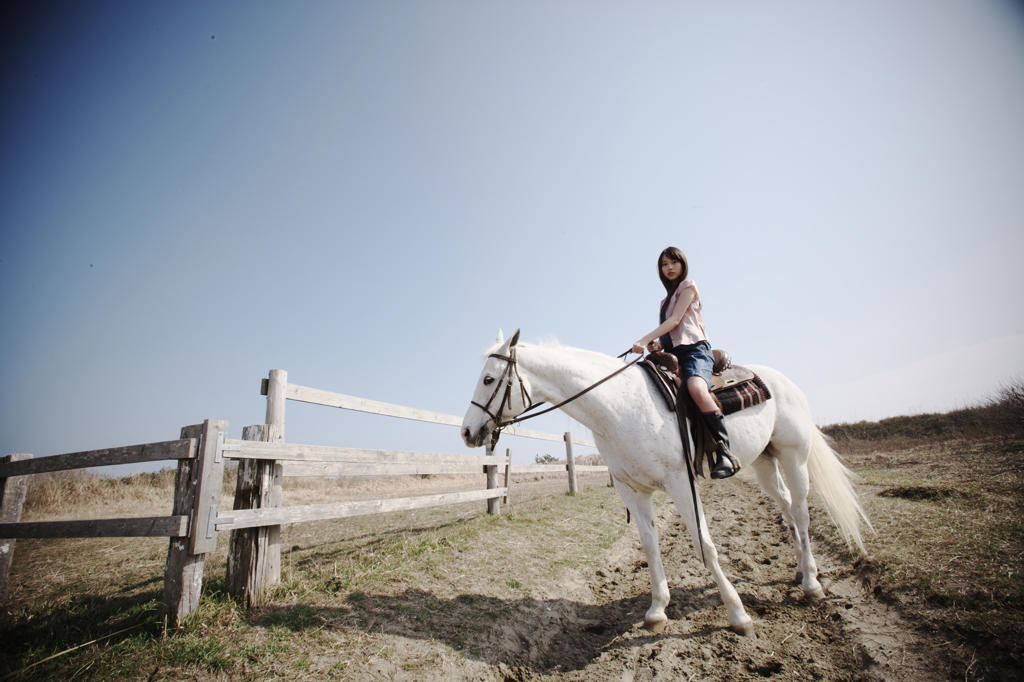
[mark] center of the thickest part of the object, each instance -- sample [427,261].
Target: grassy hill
[1000,417]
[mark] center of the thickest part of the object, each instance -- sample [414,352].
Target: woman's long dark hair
[670,287]
[676,255]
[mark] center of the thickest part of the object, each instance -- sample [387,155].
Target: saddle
[723,374]
[733,388]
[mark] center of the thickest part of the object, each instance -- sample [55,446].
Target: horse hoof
[745,629]
[655,625]
[814,593]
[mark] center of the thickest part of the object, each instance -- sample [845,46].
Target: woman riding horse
[682,333]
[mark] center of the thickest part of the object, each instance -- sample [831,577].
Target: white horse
[639,439]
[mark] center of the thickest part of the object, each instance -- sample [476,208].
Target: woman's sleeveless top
[691,329]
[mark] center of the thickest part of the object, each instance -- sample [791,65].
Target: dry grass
[81,494]
[949,551]
[1001,418]
[949,545]
[945,493]
[347,586]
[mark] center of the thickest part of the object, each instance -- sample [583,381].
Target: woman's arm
[670,323]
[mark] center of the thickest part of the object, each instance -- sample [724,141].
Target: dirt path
[591,629]
[464,620]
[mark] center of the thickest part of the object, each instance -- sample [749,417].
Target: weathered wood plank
[316,396]
[538,469]
[267,573]
[209,485]
[328,469]
[150,526]
[242,449]
[250,518]
[253,560]
[526,433]
[12,499]
[146,452]
[493,503]
[183,570]
[508,480]
[570,464]
[277,387]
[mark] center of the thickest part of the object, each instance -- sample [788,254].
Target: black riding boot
[725,464]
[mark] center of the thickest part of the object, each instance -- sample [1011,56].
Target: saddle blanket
[741,396]
[732,398]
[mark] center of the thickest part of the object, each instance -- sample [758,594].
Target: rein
[568,400]
[512,368]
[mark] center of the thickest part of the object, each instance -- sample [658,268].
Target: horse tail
[834,483]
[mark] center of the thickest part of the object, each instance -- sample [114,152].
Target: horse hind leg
[767,473]
[794,469]
[641,505]
[739,621]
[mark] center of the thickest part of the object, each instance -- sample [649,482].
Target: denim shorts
[695,360]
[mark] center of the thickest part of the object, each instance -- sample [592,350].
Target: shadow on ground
[541,635]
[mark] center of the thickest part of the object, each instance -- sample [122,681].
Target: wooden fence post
[570,463]
[493,503]
[275,389]
[508,477]
[183,572]
[209,479]
[277,383]
[12,499]
[254,554]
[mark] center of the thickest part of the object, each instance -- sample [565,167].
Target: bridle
[513,368]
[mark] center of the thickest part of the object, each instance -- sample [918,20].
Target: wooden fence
[254,522]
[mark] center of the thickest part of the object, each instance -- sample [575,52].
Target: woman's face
[671,269]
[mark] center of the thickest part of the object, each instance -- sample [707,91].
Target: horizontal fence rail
[243,449]
[316,396]
[152,526]
[183,573]
[250,518]
[155,526]
[554,468]
[264,460]
[320,461]
[129,454]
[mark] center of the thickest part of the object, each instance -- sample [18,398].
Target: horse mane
[597,358]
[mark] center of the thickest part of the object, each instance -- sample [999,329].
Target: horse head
[501,393]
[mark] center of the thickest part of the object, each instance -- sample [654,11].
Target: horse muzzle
[478,438]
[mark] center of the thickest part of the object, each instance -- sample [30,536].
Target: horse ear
[515,339]
[501,338]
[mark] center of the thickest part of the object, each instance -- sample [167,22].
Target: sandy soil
[848,636]
[589,627]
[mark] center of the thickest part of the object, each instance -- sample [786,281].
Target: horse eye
[488,381]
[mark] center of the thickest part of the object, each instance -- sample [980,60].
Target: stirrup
[724,458]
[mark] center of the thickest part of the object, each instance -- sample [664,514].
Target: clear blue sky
[362,193]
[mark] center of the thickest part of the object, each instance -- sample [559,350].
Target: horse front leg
[641,506]
[679,489]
